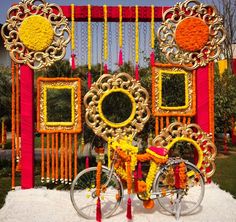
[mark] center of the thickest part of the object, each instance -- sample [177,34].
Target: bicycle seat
[157,151]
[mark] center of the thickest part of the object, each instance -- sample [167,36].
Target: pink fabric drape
[202,103]
[27,126]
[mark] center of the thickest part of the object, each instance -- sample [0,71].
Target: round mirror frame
[104,86]
[192,133]
[106,120]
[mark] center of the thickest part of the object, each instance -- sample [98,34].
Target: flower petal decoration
[36,33]
[191,34]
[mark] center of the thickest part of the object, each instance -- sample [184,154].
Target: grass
[225,174]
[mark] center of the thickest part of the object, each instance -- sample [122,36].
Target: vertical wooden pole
[27,126]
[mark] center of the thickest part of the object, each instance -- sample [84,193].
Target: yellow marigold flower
[36,33]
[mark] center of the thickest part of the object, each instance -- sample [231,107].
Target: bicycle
[175,196]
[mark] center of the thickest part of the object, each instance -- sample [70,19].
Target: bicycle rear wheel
[180,201]
[83,193]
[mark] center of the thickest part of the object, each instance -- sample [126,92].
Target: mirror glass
[117,107]
[184,150]
[59,105]
[173,83]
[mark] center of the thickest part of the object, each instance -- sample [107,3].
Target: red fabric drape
[27,126]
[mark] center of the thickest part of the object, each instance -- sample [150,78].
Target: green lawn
[225,174]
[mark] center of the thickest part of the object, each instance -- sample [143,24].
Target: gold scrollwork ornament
[138,96]
[36,34]
[202,141]
[191,34]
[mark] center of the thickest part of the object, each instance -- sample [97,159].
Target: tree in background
[225,87]
[5,95]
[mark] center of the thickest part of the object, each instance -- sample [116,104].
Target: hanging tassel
[152,58]
[98,211]
[87,162]
[89,79]
[140,175]
[129,213]
[18,166]
[105,70]
[120,62]
[73,65]
[136,72]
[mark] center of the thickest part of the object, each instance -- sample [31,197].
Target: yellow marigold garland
[151,175]
[120,27]
[72,26]
[105,33]
[121,172]
[152,27]
[136,35]
[36,33]
[89,37]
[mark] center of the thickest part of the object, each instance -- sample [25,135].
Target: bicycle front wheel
[83,193]
[179,201]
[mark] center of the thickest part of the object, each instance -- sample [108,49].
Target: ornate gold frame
[166,34]
[189,109]
[43,126]
[19,53]
[105,85]
[192,133]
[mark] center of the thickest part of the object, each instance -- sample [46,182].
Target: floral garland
[3,134]
[152,28]
[36,32]
[129,177]
[182,175]
[105,37]
[211,98]
[72,27]
[151,176]
[120,27]
[136,35]
[89,38]
[98,178]
[13,125]
[121,172]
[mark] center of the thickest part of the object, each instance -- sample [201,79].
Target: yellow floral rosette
[36,35]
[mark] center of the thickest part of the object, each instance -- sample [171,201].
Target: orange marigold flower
[192,34]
